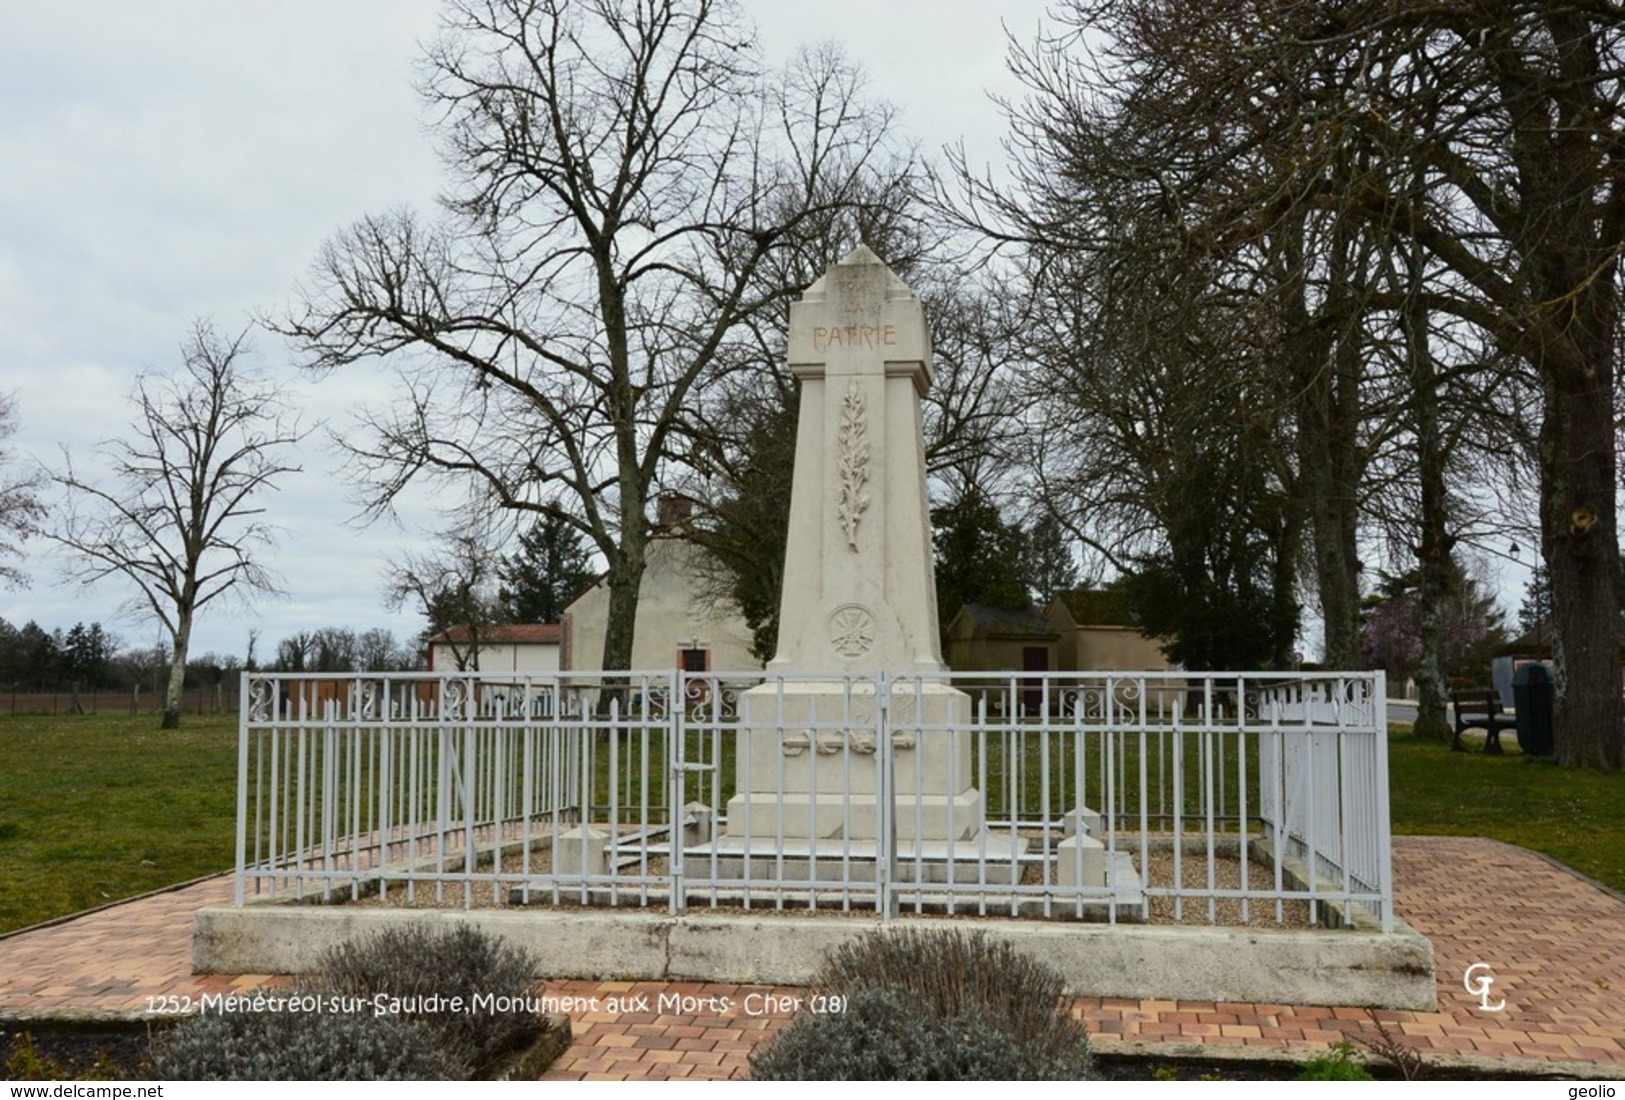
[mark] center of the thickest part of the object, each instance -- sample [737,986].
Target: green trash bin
[1532,696]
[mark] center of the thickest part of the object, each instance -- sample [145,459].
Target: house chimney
[672,509]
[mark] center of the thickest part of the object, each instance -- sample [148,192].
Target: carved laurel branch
[853,463]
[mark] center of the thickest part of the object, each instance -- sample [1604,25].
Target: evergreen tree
[41,657]
[743,527]
[1049,564]
[86,653]
[979,557]
[11,654]
[1535,612]
[550,569]
[1216,610]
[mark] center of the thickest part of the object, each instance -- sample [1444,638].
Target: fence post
[677,727]
[886,841]
[242,795]
[1385,853]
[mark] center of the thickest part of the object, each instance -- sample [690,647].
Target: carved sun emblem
[852,630]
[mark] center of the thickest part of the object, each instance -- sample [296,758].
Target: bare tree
[378,651]
[20,507]
[1498,136]
[623,173]
[178,511]
[454,587]
[293,653]
[1479,142]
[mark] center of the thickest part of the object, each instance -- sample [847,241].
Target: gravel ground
[1158,870]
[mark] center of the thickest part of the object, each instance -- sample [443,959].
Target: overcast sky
[175,159]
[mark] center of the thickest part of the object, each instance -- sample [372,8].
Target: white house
[682,621]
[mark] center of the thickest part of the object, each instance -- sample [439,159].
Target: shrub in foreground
[1338,1064]
[953,974]
[932,1005]
[409,1003]
[302,1046]
[884,1036]
[413,962]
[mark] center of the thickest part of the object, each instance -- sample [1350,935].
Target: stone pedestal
[580,851]
[1080,861]
[809,765]
[1081,820]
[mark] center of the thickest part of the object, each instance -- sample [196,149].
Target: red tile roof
[506,634]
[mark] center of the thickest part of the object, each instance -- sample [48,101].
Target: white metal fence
[1114,796]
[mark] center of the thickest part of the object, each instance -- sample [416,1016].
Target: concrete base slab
[1343,967]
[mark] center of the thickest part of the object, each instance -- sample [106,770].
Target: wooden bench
[1480,710]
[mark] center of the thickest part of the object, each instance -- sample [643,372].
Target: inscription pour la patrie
[853,336]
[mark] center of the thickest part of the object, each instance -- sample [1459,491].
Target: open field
[96,808]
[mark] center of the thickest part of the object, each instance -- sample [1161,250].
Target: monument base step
[703,891]
[997,859]
[833,815]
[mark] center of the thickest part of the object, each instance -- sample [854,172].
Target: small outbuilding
[1097,632]
[998,639]
[510,647]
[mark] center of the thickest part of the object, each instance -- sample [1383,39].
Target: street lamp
[1540,598]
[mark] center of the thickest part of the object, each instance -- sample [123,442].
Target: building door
[696,661]
[1034,658]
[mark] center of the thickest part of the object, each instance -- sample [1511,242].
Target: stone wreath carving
[830,742]
[853,464]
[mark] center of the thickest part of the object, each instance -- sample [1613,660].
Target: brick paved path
[1555,944]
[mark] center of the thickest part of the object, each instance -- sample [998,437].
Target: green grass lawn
[100,807]
[94,808]
[1576,817]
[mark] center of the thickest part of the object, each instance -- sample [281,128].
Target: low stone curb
[1438,1066]
[533,1060]
[1392,970]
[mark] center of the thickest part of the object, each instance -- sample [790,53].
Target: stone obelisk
[859,589]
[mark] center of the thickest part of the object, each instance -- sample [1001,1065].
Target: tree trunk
[1285,548]
[1580,542]
[1333,477]
[1326,368]
[1433,547]
[177,671]
[1432,590]
[631,480]
[625,583]
[1571,267]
